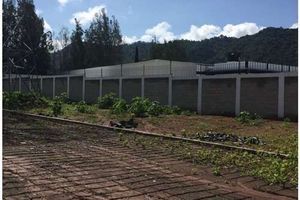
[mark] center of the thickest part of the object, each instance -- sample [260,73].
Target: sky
[141,20]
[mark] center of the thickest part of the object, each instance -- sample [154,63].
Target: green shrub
[107,101]
[154,109]
[17,100]
[82,107]
[64,97]
[139,106]
[168,110]
[120,106]
[247,118]
[57,106]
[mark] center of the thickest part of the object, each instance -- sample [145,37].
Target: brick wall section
[131,88]
[36,85]
[110,86]
[218,97]
[260,95]
[75,90]
[291,98]
[25,85]
[184,94]
[47,87]
[92,91]
[61,86]
[156,89]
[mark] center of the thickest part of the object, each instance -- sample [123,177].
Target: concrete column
[199,96]
[20,84]
[83,87]
[68,86]
[143,87]
[237,95]
[100,88]
[281,96]
[53,89]
[170,91]
[41,85]
[120,87]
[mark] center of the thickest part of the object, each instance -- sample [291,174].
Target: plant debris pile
[124,124]
[223,137]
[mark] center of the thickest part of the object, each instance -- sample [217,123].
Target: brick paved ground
[47,160]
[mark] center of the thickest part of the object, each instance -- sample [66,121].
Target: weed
[120,106]
[57,106]
[247,118]
[107,101]
[82,107]
[139,106]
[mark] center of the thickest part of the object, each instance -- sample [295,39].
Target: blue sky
[172,19]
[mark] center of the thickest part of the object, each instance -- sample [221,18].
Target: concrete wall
[184,94]
[156,89]
[92,89]
[5,83]
[109,86]
[291,97]
[260,95]
[47,87]
[131,88]
[60,85]
[218,96]
[36,85]
[25,85]
[75,90]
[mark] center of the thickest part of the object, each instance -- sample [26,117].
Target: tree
[77,47]
[136,57]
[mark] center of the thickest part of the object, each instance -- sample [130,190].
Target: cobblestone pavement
[47,160]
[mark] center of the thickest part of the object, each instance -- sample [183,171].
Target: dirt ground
[47,160]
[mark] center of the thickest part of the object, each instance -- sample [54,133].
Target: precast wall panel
[61,85]
[47,89]
[131,88]
[156,89]
[75,90]
[110,86]
[184,94]
[25,85]
[5,83]
[92,88]
[36,85]
[260,95]
[291,97]
[218,96]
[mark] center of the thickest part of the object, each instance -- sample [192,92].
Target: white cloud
[84,17]
[240,30]
[47,27]
[201,33]
[162,32]
[63,2]
[295,25]
[38,11]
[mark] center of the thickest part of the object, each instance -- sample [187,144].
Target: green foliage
[154,109]
[168,110]
[248,118]
[18,100]
[82,107]
[139,106]
[107,101]
[57,106]
[120,106]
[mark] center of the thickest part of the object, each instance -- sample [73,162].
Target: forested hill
[273,45]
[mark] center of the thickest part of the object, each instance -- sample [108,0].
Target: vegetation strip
[223,146]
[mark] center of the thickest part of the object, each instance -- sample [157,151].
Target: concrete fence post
[120,87]
[53,85]
[68,86]
[83,87]
[100,88]
[199,96]
[20,84]
[237,95]
[281,96]
[170,91]
[41,84]
[143,88]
